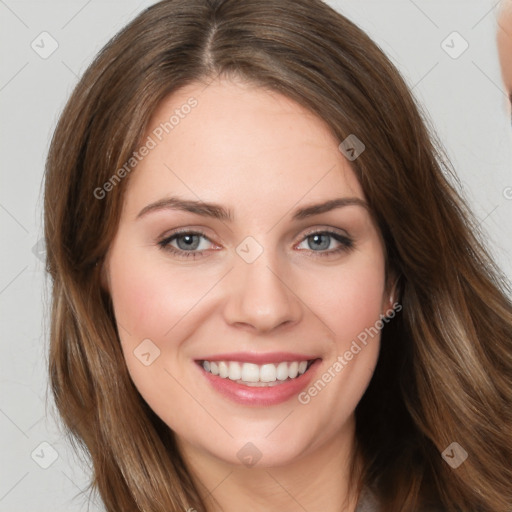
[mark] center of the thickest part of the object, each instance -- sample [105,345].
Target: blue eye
[322,240]
[187,249]
[188,243]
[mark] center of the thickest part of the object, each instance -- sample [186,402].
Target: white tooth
[235,370]
[253,373]
[223,369]
[250,372]
[214,369]
[268,373]
[293,370]
[282,371]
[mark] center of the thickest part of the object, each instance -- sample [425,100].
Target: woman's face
[259,295]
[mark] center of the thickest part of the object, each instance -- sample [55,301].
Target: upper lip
[263,358]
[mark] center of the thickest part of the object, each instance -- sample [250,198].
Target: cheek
[352,308]
[149,299]
[145,308]
[352,298]
[164,304]
[150,307]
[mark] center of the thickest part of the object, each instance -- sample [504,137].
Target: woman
[268,294]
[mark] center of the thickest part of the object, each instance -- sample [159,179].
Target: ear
[390,296]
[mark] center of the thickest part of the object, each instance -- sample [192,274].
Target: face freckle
[261,285]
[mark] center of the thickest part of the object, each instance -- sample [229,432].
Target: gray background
[464,98]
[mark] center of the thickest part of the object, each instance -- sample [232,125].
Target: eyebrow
[217,211]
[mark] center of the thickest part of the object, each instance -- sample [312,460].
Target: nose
[261,295]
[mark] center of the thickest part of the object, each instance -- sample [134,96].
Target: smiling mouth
[257,375]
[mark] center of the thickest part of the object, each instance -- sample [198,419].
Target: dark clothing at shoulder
[368,503]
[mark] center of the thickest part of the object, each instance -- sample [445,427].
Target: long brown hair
[445,368]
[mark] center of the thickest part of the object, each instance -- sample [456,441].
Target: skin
[504,38]
[261,155]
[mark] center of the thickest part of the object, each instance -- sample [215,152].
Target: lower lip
[260,396]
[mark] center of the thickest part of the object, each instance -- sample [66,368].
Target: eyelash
[346,243]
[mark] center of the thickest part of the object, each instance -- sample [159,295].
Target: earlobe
[392,291]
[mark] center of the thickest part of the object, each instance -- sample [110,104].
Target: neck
[317,480]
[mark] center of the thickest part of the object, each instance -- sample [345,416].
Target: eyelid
[184,231]
[322,229]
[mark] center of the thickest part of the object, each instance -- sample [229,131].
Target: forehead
[239,142]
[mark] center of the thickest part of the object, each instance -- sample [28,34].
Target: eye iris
[317,237]
[192,242]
